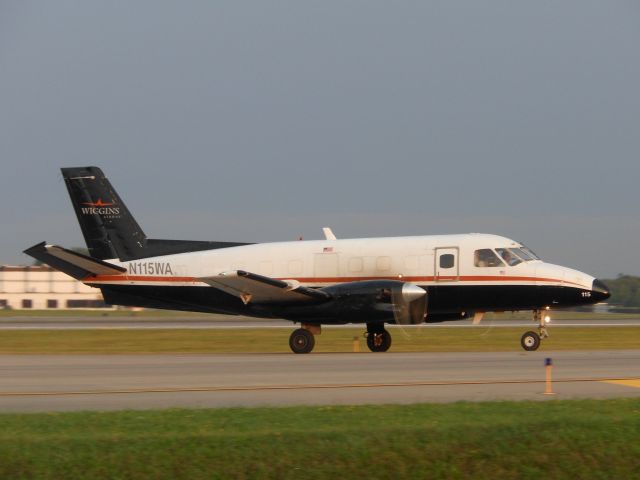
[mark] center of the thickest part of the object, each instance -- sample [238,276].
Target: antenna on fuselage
[328,233]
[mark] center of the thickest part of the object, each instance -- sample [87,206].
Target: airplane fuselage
[444,265]
[402,280]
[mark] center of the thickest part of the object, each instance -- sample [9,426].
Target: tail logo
[98,204]
[105,209]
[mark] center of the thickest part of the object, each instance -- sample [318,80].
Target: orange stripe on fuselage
[307,280]
[136,278]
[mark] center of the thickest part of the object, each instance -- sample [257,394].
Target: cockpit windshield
[529,252]
[522,254]
[509,255]
[487,257]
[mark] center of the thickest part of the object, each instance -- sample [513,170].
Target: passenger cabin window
[295,267]
[509,256]
[447,260]
[383,263]
[486,258]
[355,264]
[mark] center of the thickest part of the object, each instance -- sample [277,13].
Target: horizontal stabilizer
[72,263]
[254,288]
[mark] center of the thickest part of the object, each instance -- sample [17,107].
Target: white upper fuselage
[319,263]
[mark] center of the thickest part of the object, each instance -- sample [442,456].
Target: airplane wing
[254,288]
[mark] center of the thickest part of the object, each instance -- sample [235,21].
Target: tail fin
[107,225]
[109,229]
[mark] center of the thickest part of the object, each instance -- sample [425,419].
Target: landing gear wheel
[301,341]
[379,341]
[530,341]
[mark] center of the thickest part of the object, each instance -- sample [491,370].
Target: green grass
[506,440]
[274,340]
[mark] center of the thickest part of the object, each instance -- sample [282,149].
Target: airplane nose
[599,291]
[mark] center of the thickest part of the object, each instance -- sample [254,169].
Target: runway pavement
[106,382]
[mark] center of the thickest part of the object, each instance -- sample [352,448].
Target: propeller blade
[409,304]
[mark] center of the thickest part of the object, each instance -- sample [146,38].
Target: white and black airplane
[401,280]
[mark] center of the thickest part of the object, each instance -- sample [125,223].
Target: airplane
[407,280]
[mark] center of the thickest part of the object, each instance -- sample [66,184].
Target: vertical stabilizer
[109,229]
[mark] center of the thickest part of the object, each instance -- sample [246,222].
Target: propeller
[409,304]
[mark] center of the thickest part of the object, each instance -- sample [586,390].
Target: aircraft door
[447,267]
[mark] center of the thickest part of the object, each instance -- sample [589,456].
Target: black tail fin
[108,228]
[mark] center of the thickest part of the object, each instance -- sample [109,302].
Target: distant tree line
[625,290]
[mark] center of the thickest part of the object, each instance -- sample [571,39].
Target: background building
[41,288]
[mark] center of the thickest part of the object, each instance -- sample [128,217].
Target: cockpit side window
[509,256]
[486,258]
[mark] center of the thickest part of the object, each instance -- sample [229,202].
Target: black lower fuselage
[450,301]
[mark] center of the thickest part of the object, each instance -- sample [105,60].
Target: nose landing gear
[530,341]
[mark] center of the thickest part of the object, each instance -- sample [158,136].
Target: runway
[31,383]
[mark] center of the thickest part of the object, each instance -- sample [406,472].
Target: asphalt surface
[31,383]
[70,323]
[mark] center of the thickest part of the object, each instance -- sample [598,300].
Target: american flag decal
[327,250]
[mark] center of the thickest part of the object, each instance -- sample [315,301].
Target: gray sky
[263,121]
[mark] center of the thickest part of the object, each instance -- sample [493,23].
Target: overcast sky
[264,121]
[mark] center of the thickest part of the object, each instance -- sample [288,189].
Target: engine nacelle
[390,301]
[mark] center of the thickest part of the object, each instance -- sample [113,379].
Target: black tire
[379,341]
[301,341]
[530,341]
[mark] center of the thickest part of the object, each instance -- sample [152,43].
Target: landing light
[547,319]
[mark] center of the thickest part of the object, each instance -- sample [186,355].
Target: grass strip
[584,439]
[275,340]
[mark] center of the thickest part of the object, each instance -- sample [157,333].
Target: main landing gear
[302,339]
[530,341]
[378,339]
